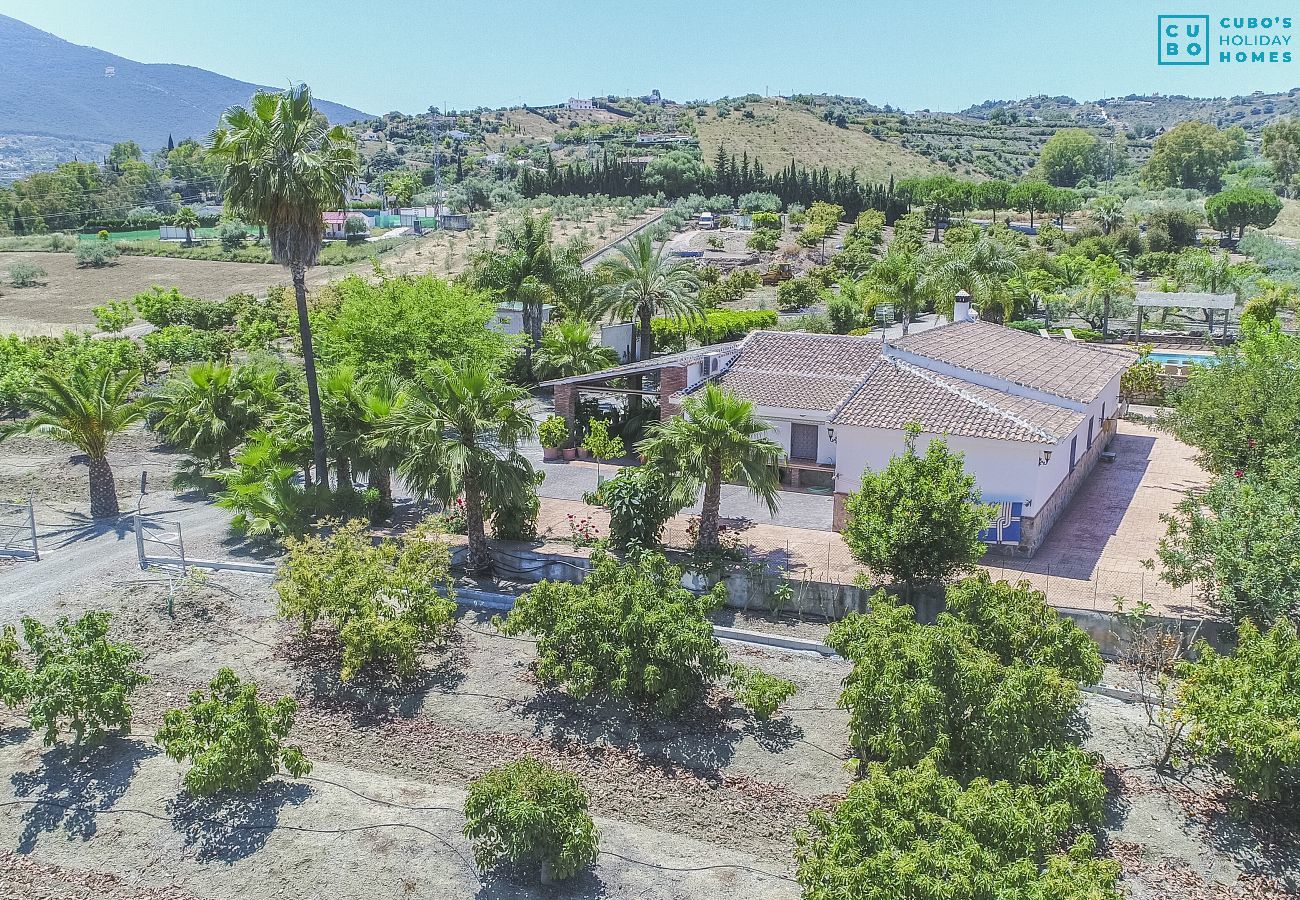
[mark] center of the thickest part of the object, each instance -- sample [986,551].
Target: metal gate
[160,544]
[18,530]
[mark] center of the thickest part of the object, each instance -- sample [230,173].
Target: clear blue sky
[411,54]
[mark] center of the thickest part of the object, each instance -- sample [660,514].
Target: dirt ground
[704,805]
[68,294]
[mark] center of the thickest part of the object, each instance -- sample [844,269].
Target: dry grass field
[1288,222]
[782,131]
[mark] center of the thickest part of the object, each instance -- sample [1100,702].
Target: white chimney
[961,307]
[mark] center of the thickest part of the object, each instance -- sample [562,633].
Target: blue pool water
[1183,358]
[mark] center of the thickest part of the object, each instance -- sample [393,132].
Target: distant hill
[58,92]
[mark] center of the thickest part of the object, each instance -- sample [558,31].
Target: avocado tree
[234,740]
[531,814]
[918,520]
[629,630]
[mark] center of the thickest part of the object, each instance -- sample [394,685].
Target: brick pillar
[566,403]
[839,515]
[671,380]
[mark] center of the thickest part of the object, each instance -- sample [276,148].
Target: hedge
[716,327]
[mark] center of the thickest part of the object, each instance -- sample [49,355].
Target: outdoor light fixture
[1047,457]
[830,435]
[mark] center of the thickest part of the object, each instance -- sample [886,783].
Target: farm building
[1032,415]
[576,103]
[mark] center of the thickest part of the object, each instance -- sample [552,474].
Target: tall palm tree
[569,348]
[460,430]
[643,285]
[284,167]
[209,408]
[716,438]
[85,409]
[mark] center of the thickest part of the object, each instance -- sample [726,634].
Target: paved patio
[1094,553]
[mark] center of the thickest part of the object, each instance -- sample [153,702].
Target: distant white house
[576,103]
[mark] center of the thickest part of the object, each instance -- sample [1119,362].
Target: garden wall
[816,599]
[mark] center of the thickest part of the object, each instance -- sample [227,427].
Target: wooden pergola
[1210,303]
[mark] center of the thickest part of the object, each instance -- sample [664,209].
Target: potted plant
[553,432]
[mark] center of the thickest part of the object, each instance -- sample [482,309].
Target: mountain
[57,94]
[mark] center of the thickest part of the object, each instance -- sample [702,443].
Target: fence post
[180,543]
[139,540]
[31,521]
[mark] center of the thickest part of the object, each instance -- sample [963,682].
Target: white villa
[1031,414]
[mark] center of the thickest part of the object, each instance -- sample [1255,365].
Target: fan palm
[568,348]
[380,399]
[86,409]
[459,430]
[284,167]
[188,219]
[981,268]
[1108,212]
[210,407]
[716,438]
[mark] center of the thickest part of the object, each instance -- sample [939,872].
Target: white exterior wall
[1004,470]
[780,431]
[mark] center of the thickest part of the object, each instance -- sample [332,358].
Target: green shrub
[914,832]
[797,293]
[760,693]
[1244,707]
[517,520]
[381,600]
[628,630]
[640,503]
[531,814]
[553,432]
[982,690]
[183,343]
[164,307]
[79,679]
[233,740]
[763,240]
[767,220]
[95,255]
[113,316]
[25,274]
[715,327]
[232,234]
[844,314]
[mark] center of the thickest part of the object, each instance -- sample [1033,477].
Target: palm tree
[284,167]
[380,399]
[525,269]
[898,278]
[188,219]
[459,430]
[1108,212]
[568,349]
[209,408]
[981,268]
[644,285]
[1106,285]
[85,409]
[716,438]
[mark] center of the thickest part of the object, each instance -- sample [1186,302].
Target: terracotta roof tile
[1068,369]
[896,393]
[799,370]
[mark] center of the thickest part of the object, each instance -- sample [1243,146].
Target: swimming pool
[1183,358]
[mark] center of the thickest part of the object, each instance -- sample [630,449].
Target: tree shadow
[1116,806]
[700,738]
[507,881]
[1261,837]
[231,827]
[71,789]
[375,694]
[776,735]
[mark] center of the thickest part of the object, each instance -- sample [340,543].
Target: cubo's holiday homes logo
[1186,40]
